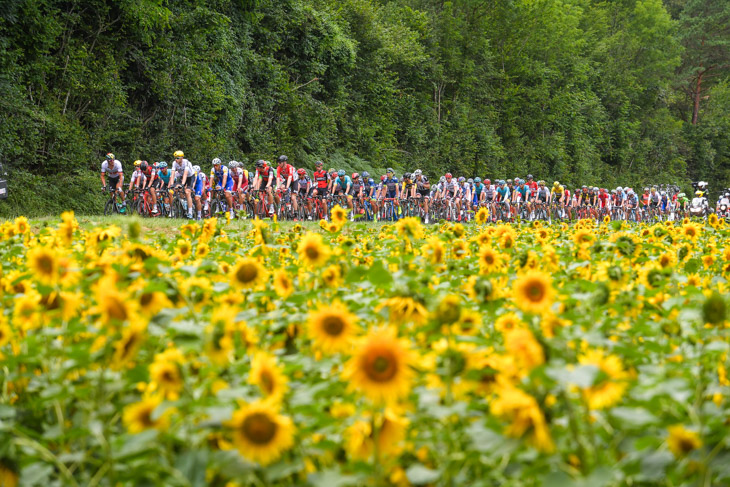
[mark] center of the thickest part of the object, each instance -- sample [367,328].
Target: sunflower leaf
[419,474]
[331,478]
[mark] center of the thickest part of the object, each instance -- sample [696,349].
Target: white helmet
[619,188]
[233,164]
[196,168]
[216,161]
[417,172]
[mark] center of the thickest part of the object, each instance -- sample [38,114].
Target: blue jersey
[343,182]
[503,192]
[216,177]
[165,178]
[200,183]
[391,184]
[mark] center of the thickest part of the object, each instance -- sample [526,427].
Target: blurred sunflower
[533,292]
[524,415]
[489,260]
[609,390]
[332,276]
[508,322]
[381,367]
[332,328]
[247,274]
[409,228]
[268,376]
[434,250]
[167,377]
[339,215]
[481,216]
[312,251]
[260,433]
[138,417]
[43,263]
[403,309]
[283,284]
[522,345]
[682,441]
[126,348]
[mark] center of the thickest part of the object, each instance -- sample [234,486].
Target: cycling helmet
[196,168]
[216,162]
[509,181]
[282,159]
[371,181]
[462,179]
[390,170]
[487,181]
[178,154]
[110,157]
[137,163]
[319,164]
[470,181]
[365,175]
[407,175]
[619,188]
[341,172]
[663,193]
[332,170]
[613,191]
[355,176]
[542,183]
[698,193]
[681,195]
[162,165]
[478,179]
[233,164]
[260,163]
[144,166]
[417,172]
[302,171]
[442,179]
[448,175]
[382,178]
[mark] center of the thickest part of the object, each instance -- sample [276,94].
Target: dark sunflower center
[258,428]
[333,325]
[267,382]
[145,417]
[686,445]
[311,252]
[45,264]
[381,367]
[247,273]
[116,309]
[169,376]
[146,299]
[129,345]
[535,292]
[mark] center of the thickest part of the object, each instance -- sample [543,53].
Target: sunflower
[533,292]
[690,230]
[524,415]
[409,228]
[126,348]
[667,260]
[8,475]
[481,216]
[138,417]
[152,302]
[521,344]
[260,434]
[608,391]
[5,333]
[434,250]
[381,367]
[459,249]
[508,322]
[312,250]
[489,260]
[247,273]
[713,220]
[707,261]
[113,306]
[583,237]
[332,276]
[167,377]
[339,215]
[43,262]
[21,225]
[682,441]
[283,284]
[332,327]
[403,309]
[267,374]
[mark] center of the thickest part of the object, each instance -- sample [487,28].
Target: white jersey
[179,169]
[138,175]
[114,171]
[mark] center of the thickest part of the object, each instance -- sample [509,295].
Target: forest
[619,92]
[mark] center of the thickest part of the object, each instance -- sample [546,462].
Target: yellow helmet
[556,184]
[179,153]
[137,163]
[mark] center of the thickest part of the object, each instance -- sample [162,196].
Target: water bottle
[184,205]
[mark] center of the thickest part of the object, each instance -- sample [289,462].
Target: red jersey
[321,178]
[603,197]
[533,187]
[265,173]
[285,172]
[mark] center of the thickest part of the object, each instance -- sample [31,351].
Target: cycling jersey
[489,192]
[449,187]
[603,199]
[391,185]
[321,179]
[217,177]
[165,178]
[201,181]
[503,193]
[180,168]
[356,187]
[654,199]
[524,191]
[478,189]
[114,171]
[406,186]
[301,185]
[284,172]
[341,183]
[422,185]
[542,194]
[533,186]
[138,175]
[265,174]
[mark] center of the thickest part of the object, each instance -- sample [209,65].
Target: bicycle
[112,206]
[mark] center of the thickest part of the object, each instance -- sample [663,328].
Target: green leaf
[192,464]
[331,478]
[419,474]
[633,417]
[379,275]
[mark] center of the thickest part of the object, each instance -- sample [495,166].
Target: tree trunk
[698,96]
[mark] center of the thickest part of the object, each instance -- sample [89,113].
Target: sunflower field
[355,354]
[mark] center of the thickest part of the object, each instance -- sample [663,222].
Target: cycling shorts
[113,182]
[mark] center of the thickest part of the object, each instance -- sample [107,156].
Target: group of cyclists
[450,198]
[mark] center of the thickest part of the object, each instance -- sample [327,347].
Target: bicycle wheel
[110,207]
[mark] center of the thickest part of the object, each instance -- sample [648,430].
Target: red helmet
[448,175]
[382,178]
[355,175]
[302,171]
[487,181]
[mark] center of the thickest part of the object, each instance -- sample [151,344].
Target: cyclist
[523,190]
[391,189]
[200,189]
[222,181]
[422,191]
[542,196]
[342,185]
[300,189]
[321,180]
[479,193]
[162,183]
[113,168]
[138,178]
[264,180]
[182,171]
[503,195]
[150,174]
[532,184]
[358,186]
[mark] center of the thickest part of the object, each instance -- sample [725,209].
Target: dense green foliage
[589,91]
